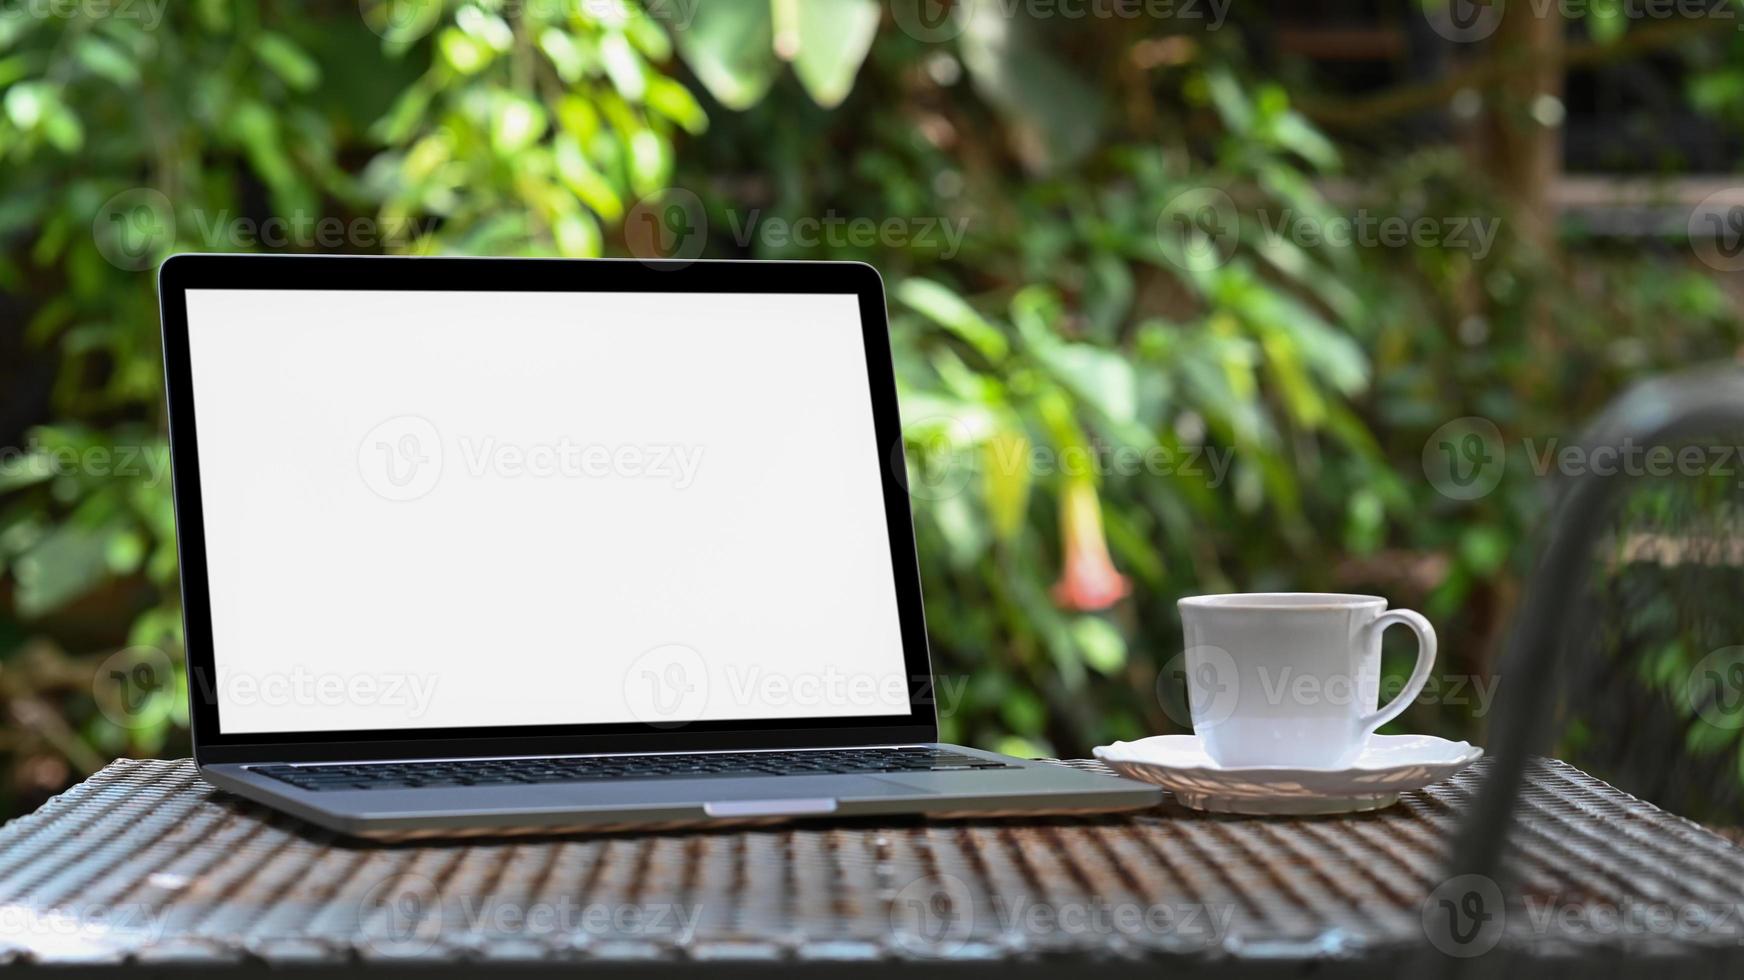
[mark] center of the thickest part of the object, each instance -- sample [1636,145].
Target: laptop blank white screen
[466,509]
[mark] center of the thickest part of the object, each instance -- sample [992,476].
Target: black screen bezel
[180,273]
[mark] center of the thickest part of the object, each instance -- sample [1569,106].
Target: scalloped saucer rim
[1389,765]
[1382,753]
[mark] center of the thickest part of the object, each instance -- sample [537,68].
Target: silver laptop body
[491,546]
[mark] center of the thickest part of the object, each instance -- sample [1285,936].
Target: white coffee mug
[1293,678]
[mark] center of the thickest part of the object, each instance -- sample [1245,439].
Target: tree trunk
[1521,140]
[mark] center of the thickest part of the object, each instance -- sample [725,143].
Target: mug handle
[1419,676]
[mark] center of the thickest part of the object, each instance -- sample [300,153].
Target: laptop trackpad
[795,796]
[793,806]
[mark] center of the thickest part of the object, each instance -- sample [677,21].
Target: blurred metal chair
[1662,411]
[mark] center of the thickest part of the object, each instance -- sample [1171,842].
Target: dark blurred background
[1186,296]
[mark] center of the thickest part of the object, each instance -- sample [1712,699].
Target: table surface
[144,863]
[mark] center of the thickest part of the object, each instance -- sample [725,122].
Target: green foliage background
[1084,307]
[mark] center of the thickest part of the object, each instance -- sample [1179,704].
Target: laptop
[499,546]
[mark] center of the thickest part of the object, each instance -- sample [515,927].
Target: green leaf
[584,181]
[650,162]
[1055,116]
[1101,645]
[466,55]
[104,59]
[287,61]
[1704,738]
[516,124]
[623,66]
[1484,548]
[1006,475]
[565,54]
[731,47]
[27,103]
[674,101]
[1104,378]
[948,310]
[833,38]
[1023,712]
[1607,22]
[577,235]
[63,129]
[65,565]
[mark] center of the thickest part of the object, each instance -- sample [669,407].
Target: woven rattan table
[147,868]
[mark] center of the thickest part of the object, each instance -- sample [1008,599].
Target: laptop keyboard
[582,769]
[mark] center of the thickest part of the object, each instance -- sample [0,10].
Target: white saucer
[1388,766]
